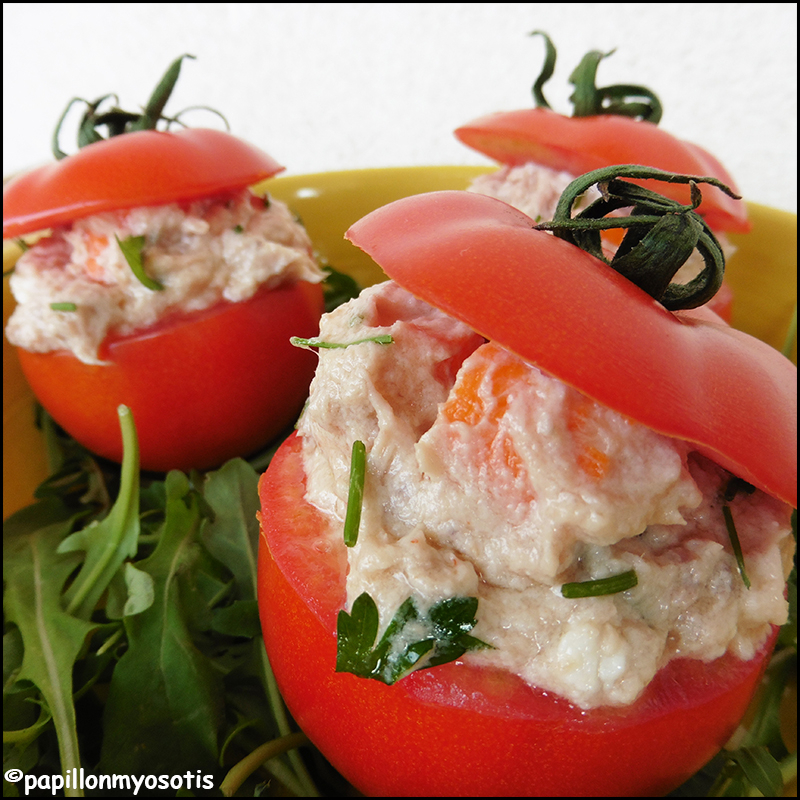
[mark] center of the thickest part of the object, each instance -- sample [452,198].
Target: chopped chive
[238,229]
[384,338]
[595,588]
[63,306]
[355,495]
[735,544]
[132,250]
[736,485]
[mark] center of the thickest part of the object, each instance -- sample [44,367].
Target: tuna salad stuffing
[487,478]
[75,286]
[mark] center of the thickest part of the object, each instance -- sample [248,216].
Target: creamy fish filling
[488,478]
[202,253]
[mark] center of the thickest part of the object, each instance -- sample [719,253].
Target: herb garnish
[63,306]
[355,496]
[600,586]
[442,635]
[132,250]
[308,344]
[734,486]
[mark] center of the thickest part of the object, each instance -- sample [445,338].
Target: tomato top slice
[581,144]
[685,374]
[138,169]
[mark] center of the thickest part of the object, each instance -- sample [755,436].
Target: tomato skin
[684,374]
[203,387]
[144,168]
[458,730]
[582,144]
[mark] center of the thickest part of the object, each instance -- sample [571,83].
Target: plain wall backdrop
[330,86]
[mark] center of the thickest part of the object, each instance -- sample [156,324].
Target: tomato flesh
[203,387]
[459,730]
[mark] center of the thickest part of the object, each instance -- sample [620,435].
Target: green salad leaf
[132,642]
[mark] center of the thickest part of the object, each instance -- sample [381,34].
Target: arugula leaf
[338,288]
[231,535]
[110,542]
[130,592]
[34,575]
[443,634]
[165,701]
[172,565]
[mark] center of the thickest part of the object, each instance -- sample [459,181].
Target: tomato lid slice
[684,374]
[581,144]
[137,169]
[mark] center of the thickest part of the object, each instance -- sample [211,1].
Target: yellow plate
[763,274]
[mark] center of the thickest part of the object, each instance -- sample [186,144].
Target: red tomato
[581,144]
[685,374]
[136,169]
[459,730]
[203,387]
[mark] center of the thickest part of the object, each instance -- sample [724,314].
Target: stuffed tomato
[541,595]
[162,283]
[541,151]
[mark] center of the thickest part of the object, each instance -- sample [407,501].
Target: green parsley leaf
[442,634]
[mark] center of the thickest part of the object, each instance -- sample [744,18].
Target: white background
[329,86]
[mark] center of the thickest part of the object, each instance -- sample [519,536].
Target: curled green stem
[661,233]
[623,99]
[116,121]
[547,70]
